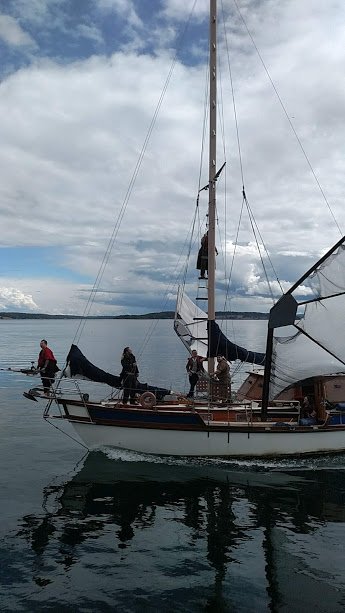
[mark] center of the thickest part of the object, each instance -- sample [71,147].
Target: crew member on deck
[129,375]
[194,368]
[222,375]
[47,366]
[202,261]
[309,417]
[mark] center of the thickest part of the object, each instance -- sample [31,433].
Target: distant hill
[160,315]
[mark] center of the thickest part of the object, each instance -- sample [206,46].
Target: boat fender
[148,400]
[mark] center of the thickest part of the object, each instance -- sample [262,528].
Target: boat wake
[312,463]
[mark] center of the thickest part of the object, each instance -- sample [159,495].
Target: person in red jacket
[194,368]
[47,366]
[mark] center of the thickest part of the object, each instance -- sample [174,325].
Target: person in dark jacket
[202,261]
[222,376]
[194,368]
[129,375]
[308,413]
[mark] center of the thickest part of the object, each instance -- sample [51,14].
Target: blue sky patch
[36,262]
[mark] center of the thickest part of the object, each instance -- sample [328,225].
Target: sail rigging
[312,345]
[206,337]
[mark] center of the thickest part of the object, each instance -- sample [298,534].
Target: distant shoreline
[160,315]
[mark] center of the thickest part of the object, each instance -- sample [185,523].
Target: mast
[267,374]
[211,315]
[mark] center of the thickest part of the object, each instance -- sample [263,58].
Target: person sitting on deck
[129,375]
[309,417]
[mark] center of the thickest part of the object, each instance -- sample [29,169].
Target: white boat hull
[231,443]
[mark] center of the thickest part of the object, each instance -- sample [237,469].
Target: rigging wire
[227,298]
[135,173]
[222,124]
[47,419]
[250,212]
[245,201]
[181,277]
[255,229]
[288,119]
[202,149]
[227,294]
[233,97]
[170,289]
[196,220]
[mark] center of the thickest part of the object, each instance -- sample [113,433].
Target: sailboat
[299,348]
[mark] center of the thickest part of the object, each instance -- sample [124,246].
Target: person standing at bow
[194,368]
[47,366]
[129,375]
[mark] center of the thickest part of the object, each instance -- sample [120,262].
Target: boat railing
[67,388]
[213,389]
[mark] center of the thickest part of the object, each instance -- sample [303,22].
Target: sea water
[117,531]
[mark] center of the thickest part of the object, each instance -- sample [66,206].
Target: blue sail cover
[80,365]
[220,345]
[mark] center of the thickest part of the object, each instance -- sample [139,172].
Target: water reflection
[211,538]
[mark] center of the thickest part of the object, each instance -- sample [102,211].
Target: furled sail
[192,327]
[220,345]
[80,366]
[313,345]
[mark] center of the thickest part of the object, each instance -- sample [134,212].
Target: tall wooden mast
[212,170]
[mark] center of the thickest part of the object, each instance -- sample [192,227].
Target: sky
[102,107]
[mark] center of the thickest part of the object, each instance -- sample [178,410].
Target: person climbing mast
[202,261]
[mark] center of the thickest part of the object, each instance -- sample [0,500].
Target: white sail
[191,324]
[317,347]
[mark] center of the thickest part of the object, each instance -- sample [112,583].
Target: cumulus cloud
[14,299]
[91,32]
[13,34]
[178,9]
[74,133]
[35,12]
[124,8]
[43,295]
